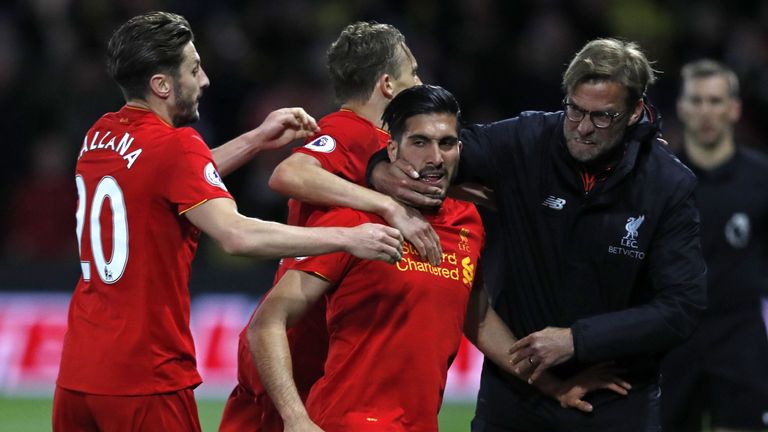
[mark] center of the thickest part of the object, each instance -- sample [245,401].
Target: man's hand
[375,242]
[416,230]
[541,350]
[602,376]
[285,125]
[400,180]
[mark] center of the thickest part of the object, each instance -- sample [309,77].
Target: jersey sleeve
[331,267]
[340,152]
[193,177]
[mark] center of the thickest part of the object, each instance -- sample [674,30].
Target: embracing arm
[241,235]
[486,330]
[485,149]
[278,129]
[302,177]
[267,338]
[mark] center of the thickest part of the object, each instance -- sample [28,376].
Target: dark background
[498,57]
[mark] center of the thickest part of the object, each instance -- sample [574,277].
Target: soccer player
[722,370]
[147,188]
[393,330]
[369,64]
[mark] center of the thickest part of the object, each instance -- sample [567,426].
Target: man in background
[722,370]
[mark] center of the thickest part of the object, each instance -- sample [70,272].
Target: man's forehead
[598,92]
[431,123]
[710,82]
[190,53]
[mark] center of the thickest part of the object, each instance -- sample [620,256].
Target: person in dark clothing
[598,257]
[722,370]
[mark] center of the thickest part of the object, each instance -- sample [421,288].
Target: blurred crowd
[498,57]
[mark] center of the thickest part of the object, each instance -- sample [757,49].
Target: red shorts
[84,412]
[248,413]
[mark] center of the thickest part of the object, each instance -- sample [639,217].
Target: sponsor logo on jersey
[629,244]
[322,144]
[553,203]
[412,261]
[212,176]
[737,230]
[468,271]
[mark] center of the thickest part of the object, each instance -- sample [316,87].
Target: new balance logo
[554,203]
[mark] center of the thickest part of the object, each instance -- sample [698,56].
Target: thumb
[583,406]
[407,168]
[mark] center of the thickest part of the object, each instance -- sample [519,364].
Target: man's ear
[385,86]
[637,113]
[160,85]
[734,110]
[392,150]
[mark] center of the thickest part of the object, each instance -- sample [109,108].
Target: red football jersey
[343,146]
[394,329]
[128,327]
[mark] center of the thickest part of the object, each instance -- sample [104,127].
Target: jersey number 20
[109,271]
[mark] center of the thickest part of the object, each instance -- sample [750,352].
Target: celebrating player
[369,64]
[147,187]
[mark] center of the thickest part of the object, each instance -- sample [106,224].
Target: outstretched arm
[241,235]
[302,177]
[279,128]
[267,337]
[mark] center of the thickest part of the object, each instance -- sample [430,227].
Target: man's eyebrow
[438,138]
[419,136]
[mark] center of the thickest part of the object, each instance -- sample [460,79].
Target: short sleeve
[331,267]
[192,177]
[344,153]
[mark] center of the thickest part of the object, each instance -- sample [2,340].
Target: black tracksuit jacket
[620,265]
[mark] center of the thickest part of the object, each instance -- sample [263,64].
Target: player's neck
[368,110]
[709,157]
[156,106]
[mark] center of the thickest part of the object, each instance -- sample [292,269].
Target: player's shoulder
[185,139]
[461,218]
[461,212]
[346,132]
[345,124]
[341,217]
[752,158]
[664,167]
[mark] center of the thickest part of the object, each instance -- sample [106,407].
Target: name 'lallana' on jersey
[111,142]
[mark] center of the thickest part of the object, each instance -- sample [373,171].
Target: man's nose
[586,126]
[204,81]
[435,156]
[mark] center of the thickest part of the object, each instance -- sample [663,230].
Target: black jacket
[621,265]
[731,340]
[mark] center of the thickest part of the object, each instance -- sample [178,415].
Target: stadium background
[498,57]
